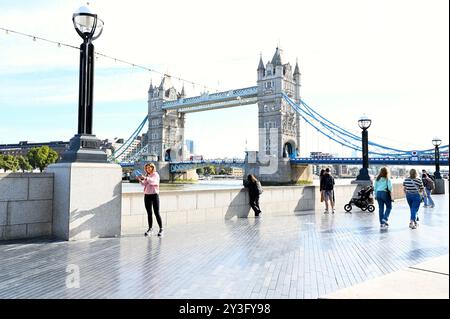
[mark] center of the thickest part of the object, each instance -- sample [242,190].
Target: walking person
[383,189]
[328,191]
[322,198]
[413,188]
[150,181]
[428,188]
[254,191]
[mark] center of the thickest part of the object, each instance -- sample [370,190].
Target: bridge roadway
[288,256]
[373,161]
[214,101]
[183,166]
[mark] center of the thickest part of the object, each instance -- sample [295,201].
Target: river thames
[214,184]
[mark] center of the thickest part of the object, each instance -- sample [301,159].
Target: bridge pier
[163,169]
[189,175]
[282,173]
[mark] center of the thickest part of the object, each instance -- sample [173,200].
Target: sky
[388,59]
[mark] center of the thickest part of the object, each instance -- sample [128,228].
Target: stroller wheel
[348,208]
[370,208]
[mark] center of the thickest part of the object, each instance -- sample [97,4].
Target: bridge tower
[165,127]
[279,124]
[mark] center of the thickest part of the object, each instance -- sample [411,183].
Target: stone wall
[200,206]
[26,205]
[26,201]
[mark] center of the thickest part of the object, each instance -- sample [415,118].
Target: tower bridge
[280,108]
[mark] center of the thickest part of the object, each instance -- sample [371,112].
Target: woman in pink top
[150,181]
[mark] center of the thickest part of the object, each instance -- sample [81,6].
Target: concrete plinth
[87,200]
[439,186]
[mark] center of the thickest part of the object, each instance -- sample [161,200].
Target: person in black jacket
[254,191]
[327,185]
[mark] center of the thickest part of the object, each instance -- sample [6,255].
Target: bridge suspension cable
[338,132]
[358,138]
[305,115]
[126,145]
[341,135]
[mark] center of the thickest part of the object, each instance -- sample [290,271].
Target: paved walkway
[293,256]
[427,280]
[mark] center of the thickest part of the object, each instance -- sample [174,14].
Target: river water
[207,184]
[200,185]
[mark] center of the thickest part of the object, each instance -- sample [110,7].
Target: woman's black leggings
[150,201]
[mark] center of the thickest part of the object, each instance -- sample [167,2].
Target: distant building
[23,147]
[117,143]
[237,171]
[190,146]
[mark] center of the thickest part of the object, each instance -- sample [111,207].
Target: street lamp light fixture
[84,146]
[87,24]
[364,122]
[436,141]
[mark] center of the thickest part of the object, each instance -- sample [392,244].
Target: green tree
[10,163]
[32,157]
[200,171]
[222,172]
[2,162]
[210,170]
[41,157]
[24,165]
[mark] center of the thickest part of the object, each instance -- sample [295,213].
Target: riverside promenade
[309,255]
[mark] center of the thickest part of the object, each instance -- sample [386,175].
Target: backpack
[328,184]
[430,184]
[258,185]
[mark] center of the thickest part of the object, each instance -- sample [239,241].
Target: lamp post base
[363,177]
[437,175]
[439,186]
[84,148]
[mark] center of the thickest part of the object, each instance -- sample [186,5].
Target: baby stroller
[364,200]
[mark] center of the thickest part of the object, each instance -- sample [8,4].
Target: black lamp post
[364,123]
[84,146]
[436,142]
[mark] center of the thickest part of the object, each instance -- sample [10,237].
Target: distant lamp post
[436,142]
[364,123]
[84,146]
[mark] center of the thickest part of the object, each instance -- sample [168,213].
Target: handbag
[388,192]
[419,192]
[259,187]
